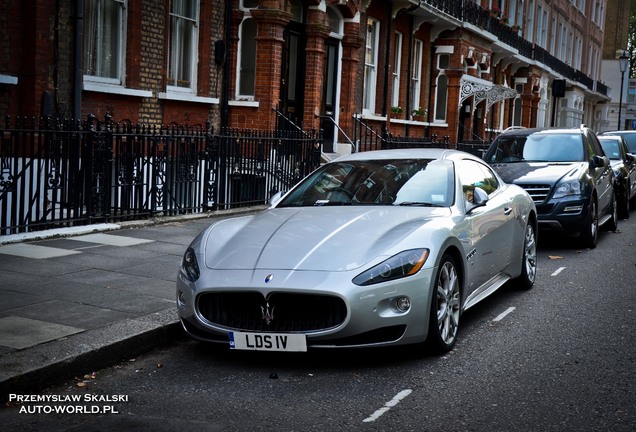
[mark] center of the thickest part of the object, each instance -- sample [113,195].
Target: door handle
[507,211]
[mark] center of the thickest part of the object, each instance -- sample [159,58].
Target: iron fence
[59,173]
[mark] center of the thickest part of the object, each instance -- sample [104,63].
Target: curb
[33,369]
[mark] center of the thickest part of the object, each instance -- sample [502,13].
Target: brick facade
[38,41]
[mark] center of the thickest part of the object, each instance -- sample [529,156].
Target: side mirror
[480,199]
[275,199]
[630,158]
[600,161]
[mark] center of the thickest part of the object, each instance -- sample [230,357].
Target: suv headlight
[404,264]
[189,265]
[568,188]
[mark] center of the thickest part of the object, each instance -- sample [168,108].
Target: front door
[292,75]
[329,95]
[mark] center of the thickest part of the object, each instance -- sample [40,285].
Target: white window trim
[445,119]
[194,56]
[397,59]
[120,80]
[101,87]
[370,93]
[416,95]
[187,97]
[239,54]
[8,79]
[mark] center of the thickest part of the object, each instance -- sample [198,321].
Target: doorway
[292,82]
[329,95]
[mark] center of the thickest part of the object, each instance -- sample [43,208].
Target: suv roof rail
[509,128]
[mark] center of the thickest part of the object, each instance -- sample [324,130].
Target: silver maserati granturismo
[373,249]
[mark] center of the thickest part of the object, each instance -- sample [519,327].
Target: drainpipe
[225,90]
[387,58]
[78,59]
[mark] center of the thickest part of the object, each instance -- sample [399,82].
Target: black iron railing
[57,173]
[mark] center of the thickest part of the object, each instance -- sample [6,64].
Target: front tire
[589,235]
[445,307]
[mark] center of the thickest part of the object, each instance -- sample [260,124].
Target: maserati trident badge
[267,313]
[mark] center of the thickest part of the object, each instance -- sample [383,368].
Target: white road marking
[559,270]
[387,406]
[503,314]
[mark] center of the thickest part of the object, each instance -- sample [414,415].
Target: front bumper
[565,215]
[326,307]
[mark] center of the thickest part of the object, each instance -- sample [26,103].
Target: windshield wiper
[419,204]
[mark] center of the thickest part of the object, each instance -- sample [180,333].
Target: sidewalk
[77,300]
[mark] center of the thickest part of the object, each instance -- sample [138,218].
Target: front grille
[289,312]
[538,192]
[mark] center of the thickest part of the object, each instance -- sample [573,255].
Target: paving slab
[20,332]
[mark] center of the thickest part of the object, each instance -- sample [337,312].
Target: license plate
[268,341]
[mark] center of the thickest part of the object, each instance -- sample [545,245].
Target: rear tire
[623,203]
[612,223]
[529,258]
[445,307]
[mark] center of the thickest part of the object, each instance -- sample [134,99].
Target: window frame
[100,53]
[172,62]
[416,78]
[397,65]
[240,57]
[371,68]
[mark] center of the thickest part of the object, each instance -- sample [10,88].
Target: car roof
[617,132]
[530,131]
[411,153]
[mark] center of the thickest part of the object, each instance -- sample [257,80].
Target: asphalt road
[560,357]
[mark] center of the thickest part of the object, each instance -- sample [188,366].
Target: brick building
[461,69]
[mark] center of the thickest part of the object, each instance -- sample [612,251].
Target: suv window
[596,149]
[562,147]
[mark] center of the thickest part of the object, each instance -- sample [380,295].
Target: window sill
[373,117]
[411,122]
[187,97]
[115,89]
[8,79]
[242,103]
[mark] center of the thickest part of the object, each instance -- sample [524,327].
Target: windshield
[416,182]
[537,148]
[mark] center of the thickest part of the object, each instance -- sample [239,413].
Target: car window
[630,139]
[553,148]
[473,174]
[506,149]
[611,148]
[595,145]
[377,182]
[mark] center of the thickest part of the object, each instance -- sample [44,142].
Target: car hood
[539,172]
[320,238]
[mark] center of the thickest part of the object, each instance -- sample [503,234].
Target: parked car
[624,167]
[567,174]
[628,135]
[376,248]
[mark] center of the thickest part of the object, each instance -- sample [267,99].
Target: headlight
[404,264]
[189,265]
[568,188]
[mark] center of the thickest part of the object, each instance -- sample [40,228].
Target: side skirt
[486,289]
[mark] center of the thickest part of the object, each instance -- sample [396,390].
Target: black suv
[566,173]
